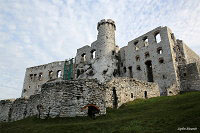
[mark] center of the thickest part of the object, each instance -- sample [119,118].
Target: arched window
[93,54]
[59,73]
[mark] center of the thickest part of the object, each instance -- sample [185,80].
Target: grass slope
[160,114]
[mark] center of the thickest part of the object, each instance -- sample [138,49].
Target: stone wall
[129,89]
[38,75]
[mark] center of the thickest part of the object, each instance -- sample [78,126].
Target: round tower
[106,37]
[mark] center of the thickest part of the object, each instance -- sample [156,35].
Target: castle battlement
[104,21]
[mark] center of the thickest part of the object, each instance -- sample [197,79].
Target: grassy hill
[160,114]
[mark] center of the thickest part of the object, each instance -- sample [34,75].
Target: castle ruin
[103,75]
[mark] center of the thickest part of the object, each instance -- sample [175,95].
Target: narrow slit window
[50,74]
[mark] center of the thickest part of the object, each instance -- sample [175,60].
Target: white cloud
[37,32]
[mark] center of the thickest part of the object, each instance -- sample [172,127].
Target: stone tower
[98,61]
[106,37]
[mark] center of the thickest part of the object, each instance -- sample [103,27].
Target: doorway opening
[145,94]
[149,71]
[115,98]
[130,72]
[92,110]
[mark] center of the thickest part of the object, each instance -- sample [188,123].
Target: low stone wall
[122,90]
[5,106]
[62,98]
[57,99]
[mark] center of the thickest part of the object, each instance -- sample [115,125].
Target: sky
[36,32]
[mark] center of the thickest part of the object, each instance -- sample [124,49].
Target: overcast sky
[34,32]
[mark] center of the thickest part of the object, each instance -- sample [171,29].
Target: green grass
[160,114]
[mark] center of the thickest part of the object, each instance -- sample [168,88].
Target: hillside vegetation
[160,114]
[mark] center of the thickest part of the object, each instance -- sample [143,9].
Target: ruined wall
[128,89]
[190,55]
[159,52]
[188,67]
[38,75]
[190,76]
